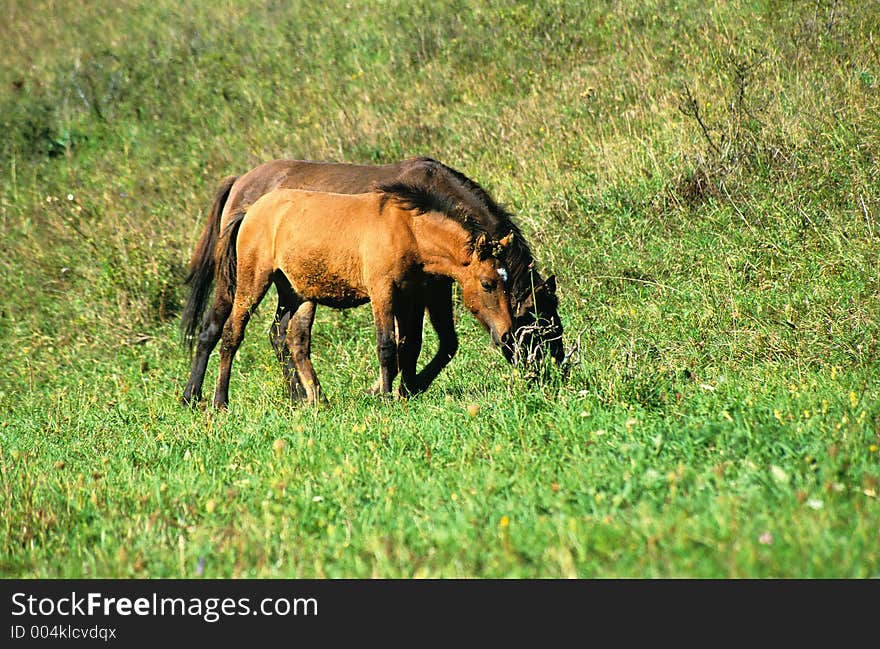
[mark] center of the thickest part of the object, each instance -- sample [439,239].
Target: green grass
[720,290]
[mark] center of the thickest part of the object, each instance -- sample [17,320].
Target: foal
[343,250]
[537,328]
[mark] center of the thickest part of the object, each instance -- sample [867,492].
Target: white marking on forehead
[502,273]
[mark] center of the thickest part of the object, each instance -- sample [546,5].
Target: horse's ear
[482,247]
[526,305]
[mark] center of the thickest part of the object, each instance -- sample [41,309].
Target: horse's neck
[443,245]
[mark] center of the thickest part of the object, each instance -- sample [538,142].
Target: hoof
[410,390]
[296,392]
[190,401]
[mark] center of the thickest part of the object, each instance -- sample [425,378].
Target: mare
[343,250]
[537,328]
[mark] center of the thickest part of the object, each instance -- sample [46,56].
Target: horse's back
[331,247]
[285,218]
[308,175]
[339,222]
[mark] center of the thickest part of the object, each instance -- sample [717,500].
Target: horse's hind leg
[287,302]
[299,339]
[210,333]
[439,304]
[252,286]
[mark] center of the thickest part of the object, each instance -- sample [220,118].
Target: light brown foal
[343,250]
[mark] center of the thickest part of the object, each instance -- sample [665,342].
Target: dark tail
[227,263]
[202,267]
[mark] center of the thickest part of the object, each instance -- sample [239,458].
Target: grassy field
[701,176]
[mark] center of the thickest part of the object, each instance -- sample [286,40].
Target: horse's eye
[488,285]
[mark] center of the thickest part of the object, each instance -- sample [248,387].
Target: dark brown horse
[537,327]
[343,250]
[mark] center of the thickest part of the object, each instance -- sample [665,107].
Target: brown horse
[537,327]
[343,250]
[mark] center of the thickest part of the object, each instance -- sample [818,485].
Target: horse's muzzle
[506,342]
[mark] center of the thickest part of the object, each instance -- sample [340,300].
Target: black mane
[429,185]
[422,200]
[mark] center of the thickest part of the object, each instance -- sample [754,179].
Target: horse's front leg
[409,343]
[386,343]
[438,301]
[437,298]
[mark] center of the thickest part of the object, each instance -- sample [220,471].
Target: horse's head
[537,328]
[485,295]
